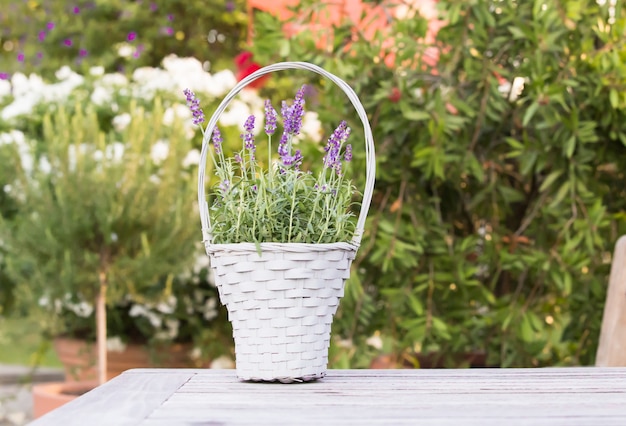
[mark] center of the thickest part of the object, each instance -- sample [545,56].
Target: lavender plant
[281,203]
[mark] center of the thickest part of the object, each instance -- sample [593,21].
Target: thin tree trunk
[101,329]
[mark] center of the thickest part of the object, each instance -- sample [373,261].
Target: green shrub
[495,212]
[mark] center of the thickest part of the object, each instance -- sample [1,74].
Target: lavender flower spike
[217,140]
[347,156]
[292,115]
[194,105]
[248,137]
[334,144]
[270,118]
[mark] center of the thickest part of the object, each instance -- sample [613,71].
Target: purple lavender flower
[292,115]
[347,156]
[217,140]
[238,158]
[333,145]
[283,150]
[270,118]
[248,136]
[194,106]
[224,185]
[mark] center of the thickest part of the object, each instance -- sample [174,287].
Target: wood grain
[612,345]
[550,396]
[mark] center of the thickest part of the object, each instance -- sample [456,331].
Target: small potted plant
[104,227]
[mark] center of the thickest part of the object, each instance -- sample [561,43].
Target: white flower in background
[81,309]
[223,81]
[44,165]
[141,311]
[5,89]
[159,151]
[101,96]
[64,72]
[27,93]
[120,122]
[311,126]
[235,114]
[192,158]
[179,111]
[124,50]
[151,80]
[210,309]
[23,85]
[222,362]
[182,66]
[115,344]
[23,149]
[96,71]
[195,353]
[168,306]
[154,179]
[114,152]
[375,341]
[513,91]
[62,90]
[7,188]
[114,80]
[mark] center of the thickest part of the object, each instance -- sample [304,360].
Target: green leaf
[614,98]
[550,179]
[530,112]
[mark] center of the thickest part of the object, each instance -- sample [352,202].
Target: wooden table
[549,396]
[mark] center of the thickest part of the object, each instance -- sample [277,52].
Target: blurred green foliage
[43,35]
[495,211]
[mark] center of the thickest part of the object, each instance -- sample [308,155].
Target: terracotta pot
[49,396]
[80,361]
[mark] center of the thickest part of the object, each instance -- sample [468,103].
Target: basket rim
[370,168]
[285,247]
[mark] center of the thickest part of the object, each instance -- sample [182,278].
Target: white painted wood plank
[126,400]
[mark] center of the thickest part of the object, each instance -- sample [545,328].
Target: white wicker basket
[281,303]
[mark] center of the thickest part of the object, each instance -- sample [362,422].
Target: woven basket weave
[281,303]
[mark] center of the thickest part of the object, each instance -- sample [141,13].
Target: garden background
[500,130]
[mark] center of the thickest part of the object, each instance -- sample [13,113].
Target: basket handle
[370,171]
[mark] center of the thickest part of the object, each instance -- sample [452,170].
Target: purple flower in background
[20,57]
[248,136]
[82,53]
[131,36]
[170,17]
[270,118]
[76,10]
[42,35]
[67,42]
[292,115]
[153,7]
[348,154]
[238,158]
[39,55]
[230,6]
[4,76]
[50,25]
[194,105]
[217,140]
